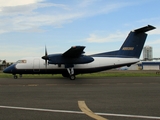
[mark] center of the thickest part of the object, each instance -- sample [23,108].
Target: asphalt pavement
[113,98]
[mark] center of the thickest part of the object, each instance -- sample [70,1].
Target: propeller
[45,57]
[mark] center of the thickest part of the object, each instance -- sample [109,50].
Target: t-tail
[133,45]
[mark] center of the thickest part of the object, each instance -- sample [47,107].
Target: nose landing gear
[15,76]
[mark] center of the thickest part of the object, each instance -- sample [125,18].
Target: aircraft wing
[74,52]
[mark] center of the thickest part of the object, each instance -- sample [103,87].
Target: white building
[145,65]
[147,53]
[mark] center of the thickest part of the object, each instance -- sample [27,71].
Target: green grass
[110,73]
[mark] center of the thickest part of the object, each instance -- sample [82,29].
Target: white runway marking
[78,112]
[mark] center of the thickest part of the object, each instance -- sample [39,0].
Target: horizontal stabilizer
[144,29]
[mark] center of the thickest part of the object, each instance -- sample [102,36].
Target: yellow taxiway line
[82,105]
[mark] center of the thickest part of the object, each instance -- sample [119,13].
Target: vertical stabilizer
[133,45]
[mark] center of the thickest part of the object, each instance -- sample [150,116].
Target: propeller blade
[46,54]
[45,57]
[46,63]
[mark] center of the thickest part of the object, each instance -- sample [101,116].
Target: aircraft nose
[9,69]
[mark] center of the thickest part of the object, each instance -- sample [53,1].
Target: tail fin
[133,45]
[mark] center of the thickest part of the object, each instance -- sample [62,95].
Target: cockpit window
[22,61]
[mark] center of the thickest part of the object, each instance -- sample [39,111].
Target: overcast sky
[26,26]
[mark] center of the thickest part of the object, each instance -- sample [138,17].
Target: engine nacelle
[59,59]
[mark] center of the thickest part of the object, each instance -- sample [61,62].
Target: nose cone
[9,69]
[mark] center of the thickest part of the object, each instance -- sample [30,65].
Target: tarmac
[110,98]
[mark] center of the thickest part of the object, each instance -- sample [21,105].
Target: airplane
[74,62]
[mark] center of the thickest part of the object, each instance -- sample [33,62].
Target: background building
[147,53]
[3,64]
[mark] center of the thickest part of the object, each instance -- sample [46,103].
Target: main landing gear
[72,77]
[71,73]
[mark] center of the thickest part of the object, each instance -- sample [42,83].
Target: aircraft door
[36,65]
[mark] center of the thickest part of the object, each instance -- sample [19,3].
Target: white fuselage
[39,63]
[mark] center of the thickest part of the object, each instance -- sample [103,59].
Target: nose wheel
[15,76]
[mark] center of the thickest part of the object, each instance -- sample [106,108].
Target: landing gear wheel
[72,77]
[15,76]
